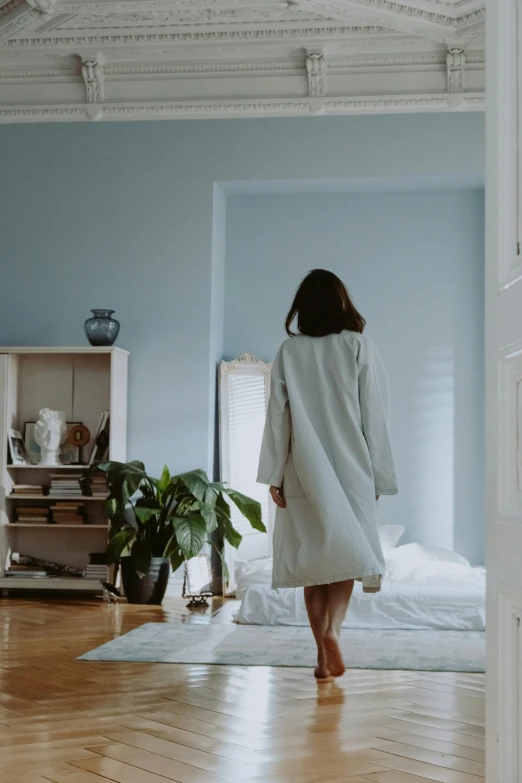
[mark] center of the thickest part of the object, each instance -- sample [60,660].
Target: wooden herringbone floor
[89,722]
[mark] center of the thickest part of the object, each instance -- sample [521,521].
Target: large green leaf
[233,537]
[144,514]
[176,560]
[251,509]
[112,508]
[197,483]
[191,533]
[122,467]
[222,508]
[119,543]
[164,481]
[146,502]
[141,557]
[148,488]
[124,478]
[209,515]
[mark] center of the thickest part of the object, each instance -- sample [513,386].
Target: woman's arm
[374,404]
[276,437]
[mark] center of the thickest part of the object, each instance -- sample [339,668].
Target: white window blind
[246,416]
[243,394]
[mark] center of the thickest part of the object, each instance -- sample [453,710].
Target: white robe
[326,442]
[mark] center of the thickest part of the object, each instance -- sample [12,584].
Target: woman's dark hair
[323,306]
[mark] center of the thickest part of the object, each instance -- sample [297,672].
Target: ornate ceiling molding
[206,37]
[236,108]
[302,57]
[236,67]
[421,14]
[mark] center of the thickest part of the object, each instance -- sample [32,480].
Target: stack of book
[99,488]
[24,572]
[66,485]
[27,489]
[99,572]
[32,515]
[68,513]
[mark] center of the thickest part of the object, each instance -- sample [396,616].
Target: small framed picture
[17,448]
[69,453]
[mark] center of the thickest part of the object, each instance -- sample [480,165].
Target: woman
[327,458]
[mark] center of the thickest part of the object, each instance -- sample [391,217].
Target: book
[99,572]
[25,574]
[32,510]
[27,489]
[97,452]
[32,520]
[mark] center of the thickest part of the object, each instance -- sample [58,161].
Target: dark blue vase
[102,328]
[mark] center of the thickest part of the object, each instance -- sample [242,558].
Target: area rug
[256,645]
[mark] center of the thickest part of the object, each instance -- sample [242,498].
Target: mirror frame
[246,364]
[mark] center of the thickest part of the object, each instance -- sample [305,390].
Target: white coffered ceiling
[75,60]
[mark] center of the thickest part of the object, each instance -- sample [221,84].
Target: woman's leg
[339,594]
[316,600]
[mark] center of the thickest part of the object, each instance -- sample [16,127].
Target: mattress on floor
[444,595]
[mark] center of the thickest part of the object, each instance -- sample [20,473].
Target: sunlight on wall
[433,420]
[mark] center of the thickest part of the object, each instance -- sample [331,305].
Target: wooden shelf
[62,350]
[50,583]
[78,468]
[48,524]
[72,498]
[83,381]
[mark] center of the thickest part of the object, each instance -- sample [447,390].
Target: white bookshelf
[83,382]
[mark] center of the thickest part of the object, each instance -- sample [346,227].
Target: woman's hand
[278,496]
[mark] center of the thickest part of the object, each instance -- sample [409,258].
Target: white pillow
[390,536]
[252,572]
[426,563]
[417,553]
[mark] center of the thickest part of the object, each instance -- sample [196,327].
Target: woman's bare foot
[322,674]
[335,659]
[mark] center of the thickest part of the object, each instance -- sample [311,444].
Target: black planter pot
[151,588]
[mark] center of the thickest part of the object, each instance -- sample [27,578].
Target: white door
[504,393]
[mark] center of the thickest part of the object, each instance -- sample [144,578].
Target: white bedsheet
[424,588]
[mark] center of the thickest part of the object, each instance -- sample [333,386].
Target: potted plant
[156,524]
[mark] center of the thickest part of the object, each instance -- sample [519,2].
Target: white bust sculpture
[49,432]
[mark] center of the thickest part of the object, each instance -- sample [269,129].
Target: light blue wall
[121,215]
[414,262]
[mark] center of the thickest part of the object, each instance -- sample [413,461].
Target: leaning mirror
[244,385]
[198,578]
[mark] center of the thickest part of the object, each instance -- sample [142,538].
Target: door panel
[503,394]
